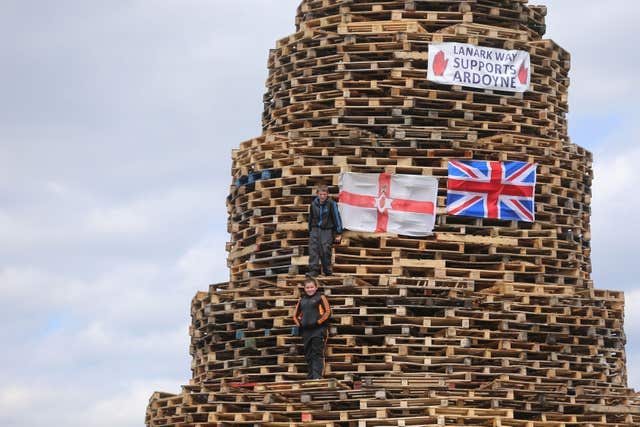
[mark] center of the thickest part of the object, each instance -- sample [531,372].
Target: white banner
[480,67]
[385,203]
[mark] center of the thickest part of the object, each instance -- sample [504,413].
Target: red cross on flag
[385,203]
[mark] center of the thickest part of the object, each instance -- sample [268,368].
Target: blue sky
[116,124]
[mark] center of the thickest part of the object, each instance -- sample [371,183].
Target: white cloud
[16,398]
[206,261]
[603,65]
[118,220]
[149,213]
[117,332]
[30,288]
[39,404]
[73,222]
[56,188]
[122,408]
[117,126]
[614,227]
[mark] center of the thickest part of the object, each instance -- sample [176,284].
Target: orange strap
[325,310]
[295,314]
[324,353]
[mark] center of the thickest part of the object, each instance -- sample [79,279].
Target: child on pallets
[310,316]
[325,228]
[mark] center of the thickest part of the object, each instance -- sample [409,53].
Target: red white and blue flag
[503,190]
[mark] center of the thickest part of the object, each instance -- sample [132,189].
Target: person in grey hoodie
[325,227]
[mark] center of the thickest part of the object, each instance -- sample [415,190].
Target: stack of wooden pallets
[268,218]
[486,322]
[432,15]
[371,74]
[401,324]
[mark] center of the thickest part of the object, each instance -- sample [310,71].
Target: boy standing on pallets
[325,226]
[310,316]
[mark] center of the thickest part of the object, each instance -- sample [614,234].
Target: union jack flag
[503,190]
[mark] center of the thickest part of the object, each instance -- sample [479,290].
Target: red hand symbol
[523,74]
[439,64]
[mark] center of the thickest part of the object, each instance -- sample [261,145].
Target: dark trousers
[320,245]
[314,354]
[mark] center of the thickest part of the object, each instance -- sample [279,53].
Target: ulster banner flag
[385,203]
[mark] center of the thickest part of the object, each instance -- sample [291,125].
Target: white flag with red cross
[386,203]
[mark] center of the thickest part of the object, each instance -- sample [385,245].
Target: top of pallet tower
[433,15]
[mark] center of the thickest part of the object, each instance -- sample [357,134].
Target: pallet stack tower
[485,323]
